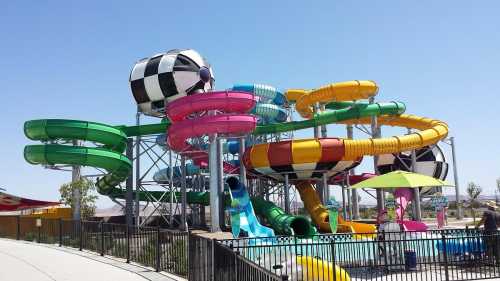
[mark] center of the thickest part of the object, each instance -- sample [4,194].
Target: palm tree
[473,190]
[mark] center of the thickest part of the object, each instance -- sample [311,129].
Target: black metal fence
[162,249]
[462,254]
[435,255]
[212,260]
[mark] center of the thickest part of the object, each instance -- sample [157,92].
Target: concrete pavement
[38,262]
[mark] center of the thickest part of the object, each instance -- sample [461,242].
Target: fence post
[80,233]
[445,256]
[236,253]
[102,238]
[213,260]
[60,232]
[334,268]
[158,254]
[128,244]
[39,229]
[18,232]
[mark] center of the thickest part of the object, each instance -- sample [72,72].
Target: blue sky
[72,60]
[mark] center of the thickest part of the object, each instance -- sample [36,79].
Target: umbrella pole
[416,191]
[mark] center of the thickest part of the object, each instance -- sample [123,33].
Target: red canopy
[13,203]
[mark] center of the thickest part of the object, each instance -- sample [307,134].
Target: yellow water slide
[430,131]
[320,270]
[319,213]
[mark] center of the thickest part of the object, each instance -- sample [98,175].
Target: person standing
[489,220]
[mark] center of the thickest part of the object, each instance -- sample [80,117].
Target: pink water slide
[403,196]
[230,120]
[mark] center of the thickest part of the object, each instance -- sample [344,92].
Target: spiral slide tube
[108,157]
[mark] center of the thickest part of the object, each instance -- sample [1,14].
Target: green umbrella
[399,179]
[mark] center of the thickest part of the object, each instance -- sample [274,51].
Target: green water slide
[113,139]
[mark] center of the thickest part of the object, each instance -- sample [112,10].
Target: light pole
[455,176]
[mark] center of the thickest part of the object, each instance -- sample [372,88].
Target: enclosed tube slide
[108,157]
[228,123]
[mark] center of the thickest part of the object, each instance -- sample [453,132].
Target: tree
[87,199]
[498,184]
[498,189]
[473,190]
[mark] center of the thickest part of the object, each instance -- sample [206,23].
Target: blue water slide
[242,212]
[271,102]
[163,175]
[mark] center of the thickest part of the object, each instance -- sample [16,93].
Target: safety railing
[434,255]
[212,260]
[162,249]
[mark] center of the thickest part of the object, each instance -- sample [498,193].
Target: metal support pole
[316,129]
[354,193]
[243,172]
[455,178]
[320,191]
[220,178]
[287,195]
[195,211]
[214,185]
[183,193]
[202,207]
[137,170]
[326,189]
[376,134]
[417,210]
[76,176]
[129,185]
[171,186]
[344,211]
[324,132]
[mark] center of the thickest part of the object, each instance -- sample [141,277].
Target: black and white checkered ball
[164,77]
[430,162]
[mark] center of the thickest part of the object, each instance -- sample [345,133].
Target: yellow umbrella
[399,179]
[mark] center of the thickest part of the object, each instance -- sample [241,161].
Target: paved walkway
[38,262]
